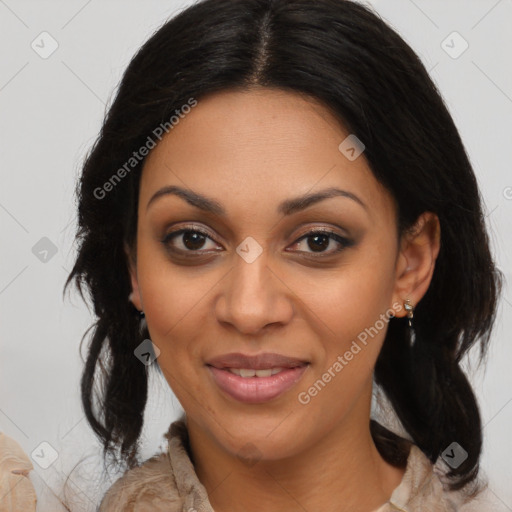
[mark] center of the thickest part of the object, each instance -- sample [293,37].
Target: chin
[265,438]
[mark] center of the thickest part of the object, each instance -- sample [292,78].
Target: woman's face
[246,279]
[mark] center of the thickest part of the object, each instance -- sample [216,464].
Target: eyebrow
[287,207]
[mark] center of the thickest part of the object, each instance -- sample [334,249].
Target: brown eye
[319,240]
[193,240]
[189,240]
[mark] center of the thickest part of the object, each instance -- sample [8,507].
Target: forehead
[258,148]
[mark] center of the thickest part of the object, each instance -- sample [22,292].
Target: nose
[253,297]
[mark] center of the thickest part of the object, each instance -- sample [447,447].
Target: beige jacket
[168,482]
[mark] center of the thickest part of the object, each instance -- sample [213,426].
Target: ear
[135,296]
[416,260]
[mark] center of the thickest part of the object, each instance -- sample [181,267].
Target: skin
[250,150]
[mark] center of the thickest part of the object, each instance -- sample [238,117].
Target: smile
[248,372]
[256,386]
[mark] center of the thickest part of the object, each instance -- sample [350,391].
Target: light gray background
[51,112]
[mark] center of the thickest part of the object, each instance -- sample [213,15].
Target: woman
[278,214]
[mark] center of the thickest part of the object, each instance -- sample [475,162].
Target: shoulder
[424,488]
[149,487]
[165,482]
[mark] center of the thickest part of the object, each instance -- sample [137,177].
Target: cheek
[171,301]
[171,293]
[350,305]
[347,300]
[174,303]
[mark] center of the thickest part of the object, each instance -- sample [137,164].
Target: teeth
[264,373]
[245,372]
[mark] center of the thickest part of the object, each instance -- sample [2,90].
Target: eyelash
[344,242]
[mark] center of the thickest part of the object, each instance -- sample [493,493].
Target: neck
[342,472]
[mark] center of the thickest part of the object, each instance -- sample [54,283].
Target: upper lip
[256,362]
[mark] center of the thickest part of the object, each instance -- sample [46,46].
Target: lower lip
[256,390]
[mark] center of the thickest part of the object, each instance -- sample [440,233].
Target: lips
[257,362]
[256,379]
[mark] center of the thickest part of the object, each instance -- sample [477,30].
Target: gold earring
[410,310]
